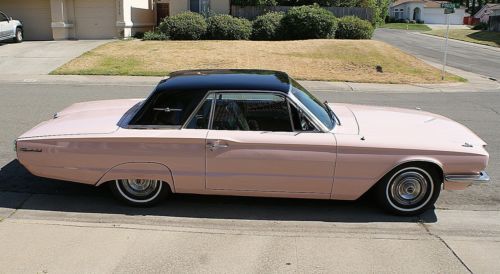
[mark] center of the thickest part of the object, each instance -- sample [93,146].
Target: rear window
[168,108]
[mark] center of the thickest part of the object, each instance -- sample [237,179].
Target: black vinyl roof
[226,79]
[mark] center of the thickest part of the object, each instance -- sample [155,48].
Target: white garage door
[437,16]
[95,19]
[35,15]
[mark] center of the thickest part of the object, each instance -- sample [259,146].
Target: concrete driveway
[41,57]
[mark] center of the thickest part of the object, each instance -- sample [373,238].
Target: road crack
[422,224]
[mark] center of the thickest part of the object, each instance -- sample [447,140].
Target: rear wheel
[139,192]
[19,36]
[409,190]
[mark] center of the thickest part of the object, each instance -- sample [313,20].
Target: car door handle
[214,145]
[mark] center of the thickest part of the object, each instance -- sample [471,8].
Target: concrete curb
[476,83]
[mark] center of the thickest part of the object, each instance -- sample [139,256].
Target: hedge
[184,26]
[227,27]
[352,27]
[268,26]
[309,22]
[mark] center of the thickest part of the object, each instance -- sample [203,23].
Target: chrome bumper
[458,182]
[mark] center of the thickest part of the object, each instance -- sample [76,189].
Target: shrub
[309,22]
[352,27]
[184,26]
[154,35]
[413,22]
[267,26]
[480,26]
[227,27]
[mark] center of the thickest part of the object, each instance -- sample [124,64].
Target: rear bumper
[459,182]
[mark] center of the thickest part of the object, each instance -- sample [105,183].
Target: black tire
[128,191]
[409,190]
[19,35]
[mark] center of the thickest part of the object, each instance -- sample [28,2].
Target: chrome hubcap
[139,187]
[409,188]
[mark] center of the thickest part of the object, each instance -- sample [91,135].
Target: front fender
[141,170]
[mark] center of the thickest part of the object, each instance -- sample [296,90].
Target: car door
[254,145]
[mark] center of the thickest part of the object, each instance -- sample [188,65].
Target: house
[483,15]
[427,11]
[98,19]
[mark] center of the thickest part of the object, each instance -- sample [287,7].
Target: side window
[169,108]
[300,120]
[3,17]
[251,111]
[201,118]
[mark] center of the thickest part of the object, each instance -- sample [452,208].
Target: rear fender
[151,171]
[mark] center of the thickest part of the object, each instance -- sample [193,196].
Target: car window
[312,104]
[201,118]
[300,121]
[169,108]
[3,17]
[251,112]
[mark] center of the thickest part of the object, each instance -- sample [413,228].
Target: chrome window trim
[196,109]
[319,126]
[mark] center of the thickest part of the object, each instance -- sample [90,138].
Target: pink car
[254,133]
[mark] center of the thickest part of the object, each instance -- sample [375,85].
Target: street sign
[450,5]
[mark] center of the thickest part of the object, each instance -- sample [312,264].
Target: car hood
[96,117]
[398,125]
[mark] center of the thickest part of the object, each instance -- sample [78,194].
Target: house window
[199,6]
[398,13]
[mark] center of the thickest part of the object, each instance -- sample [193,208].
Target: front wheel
[139,192]
[409,190]
[19,36]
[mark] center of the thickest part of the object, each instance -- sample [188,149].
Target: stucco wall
[220,6]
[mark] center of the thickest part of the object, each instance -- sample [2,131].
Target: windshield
[313,105]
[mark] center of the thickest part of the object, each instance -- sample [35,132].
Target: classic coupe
[254,133]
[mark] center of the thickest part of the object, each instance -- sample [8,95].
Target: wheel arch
[139,170]
[421,162]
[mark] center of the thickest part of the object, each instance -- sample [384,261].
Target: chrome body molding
[461,182]
[480,178]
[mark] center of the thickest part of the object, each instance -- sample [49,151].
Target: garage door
[35,15]
[95,19]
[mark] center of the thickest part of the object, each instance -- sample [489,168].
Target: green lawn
[483,37]
[421,27]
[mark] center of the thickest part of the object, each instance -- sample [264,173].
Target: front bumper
[459,182]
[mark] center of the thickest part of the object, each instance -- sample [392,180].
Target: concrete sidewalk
[79,242]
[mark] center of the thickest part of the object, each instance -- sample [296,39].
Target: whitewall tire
[139,192]
[409,190]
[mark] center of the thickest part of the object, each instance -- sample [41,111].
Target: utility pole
[446,46]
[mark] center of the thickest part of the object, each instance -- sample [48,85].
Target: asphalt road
[49,226]
[472,58]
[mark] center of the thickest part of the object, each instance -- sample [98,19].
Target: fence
[250,12]
[494,24]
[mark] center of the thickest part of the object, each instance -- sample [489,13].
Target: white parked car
[10,29]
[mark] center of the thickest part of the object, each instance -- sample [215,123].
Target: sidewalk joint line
[422,223]
[17,207]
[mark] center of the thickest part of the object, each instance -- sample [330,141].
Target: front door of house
[162,11]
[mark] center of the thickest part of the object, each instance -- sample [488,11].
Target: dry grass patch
[328,60]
